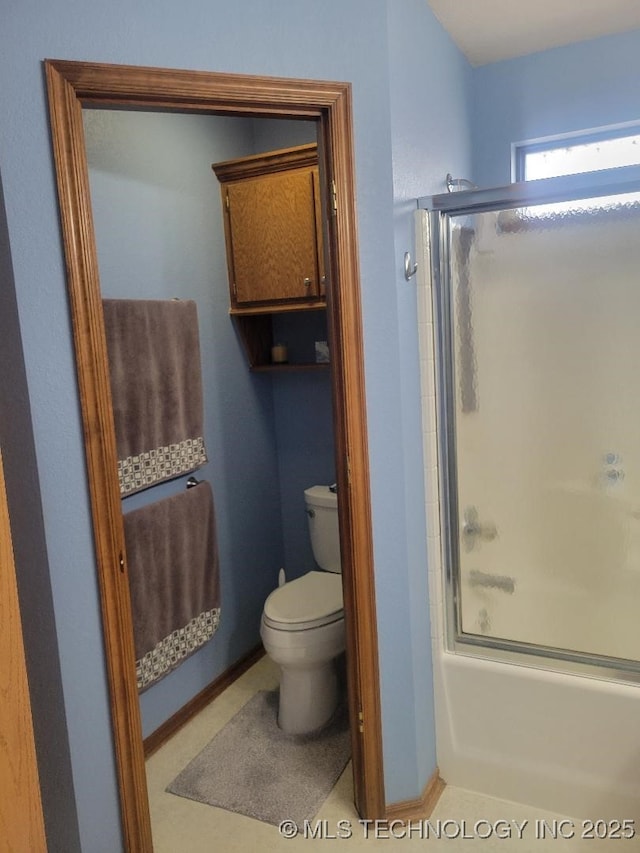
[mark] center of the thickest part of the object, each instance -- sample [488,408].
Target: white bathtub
[560,742]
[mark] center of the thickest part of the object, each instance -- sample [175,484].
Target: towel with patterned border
[172,559]
[153,347]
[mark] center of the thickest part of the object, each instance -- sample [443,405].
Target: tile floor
[183,826]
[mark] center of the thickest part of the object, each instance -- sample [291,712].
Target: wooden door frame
[72,85]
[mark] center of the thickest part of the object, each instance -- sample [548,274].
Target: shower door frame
[441,208]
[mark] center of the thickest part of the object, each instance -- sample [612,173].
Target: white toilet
[302,625]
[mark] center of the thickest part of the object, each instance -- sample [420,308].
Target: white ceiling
[491,30]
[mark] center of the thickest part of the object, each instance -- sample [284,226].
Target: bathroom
[103,129]
[158,217]
[394,52]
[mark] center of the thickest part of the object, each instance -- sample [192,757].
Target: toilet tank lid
[321,496]
[313,596]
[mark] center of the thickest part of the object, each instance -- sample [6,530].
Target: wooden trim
[281,308]
[100,447]
[271,162]
[70,86]
[420,808]
[103,84]
[21,816]
[352,462]
[170,727]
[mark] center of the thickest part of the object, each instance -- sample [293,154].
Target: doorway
[72,86]
[159,221]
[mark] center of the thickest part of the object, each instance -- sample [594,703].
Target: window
[590,152]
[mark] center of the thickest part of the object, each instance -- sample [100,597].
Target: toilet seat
[308,602]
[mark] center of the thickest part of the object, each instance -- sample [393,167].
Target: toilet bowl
[302,626]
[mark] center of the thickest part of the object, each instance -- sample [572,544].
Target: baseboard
[162,734]
[421,807]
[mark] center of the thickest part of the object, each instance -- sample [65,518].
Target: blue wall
[430,85]
[564,90]
[355,40]
[32,571]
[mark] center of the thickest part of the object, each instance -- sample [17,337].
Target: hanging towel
[172,558]
[156,387]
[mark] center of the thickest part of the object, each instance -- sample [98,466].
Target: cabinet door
[272,226]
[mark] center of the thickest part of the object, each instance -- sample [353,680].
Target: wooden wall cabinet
[273,235]
[273,228]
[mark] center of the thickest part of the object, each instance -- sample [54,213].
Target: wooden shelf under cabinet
[256,330]
[289,368]
[255,310]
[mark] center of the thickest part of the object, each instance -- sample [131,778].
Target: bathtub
[560,742]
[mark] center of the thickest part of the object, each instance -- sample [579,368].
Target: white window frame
[519,150]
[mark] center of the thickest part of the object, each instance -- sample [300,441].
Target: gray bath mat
[251,767]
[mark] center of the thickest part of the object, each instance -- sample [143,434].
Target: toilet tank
[322,514]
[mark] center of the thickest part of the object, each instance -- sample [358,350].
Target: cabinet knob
[307,282]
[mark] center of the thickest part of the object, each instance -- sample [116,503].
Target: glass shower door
[543,416]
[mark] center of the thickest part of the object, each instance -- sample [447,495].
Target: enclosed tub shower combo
[529,307]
